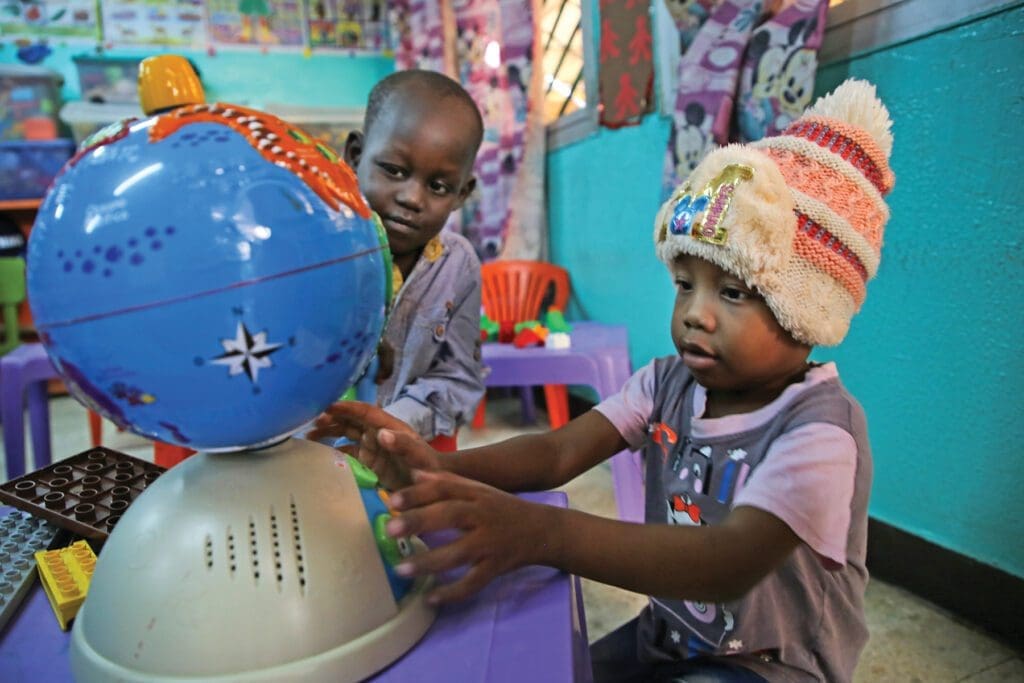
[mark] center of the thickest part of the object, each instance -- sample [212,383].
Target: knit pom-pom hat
[799,216]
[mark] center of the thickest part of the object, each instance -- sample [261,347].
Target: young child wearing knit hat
[757,461]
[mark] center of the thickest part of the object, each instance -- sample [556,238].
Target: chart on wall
[179,23]
[64,19]
[257,23]
[348,24]
[338,25]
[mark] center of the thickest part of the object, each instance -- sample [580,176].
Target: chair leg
[39,423]
[445,444]
[95,428]
[168,455]
[557,398]
[481,413]
[527,405]
[13,418]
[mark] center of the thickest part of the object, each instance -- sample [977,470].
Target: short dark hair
[437,84]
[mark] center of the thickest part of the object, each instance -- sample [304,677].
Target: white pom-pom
[855,102]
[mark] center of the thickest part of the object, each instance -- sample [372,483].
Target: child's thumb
[411,447]
[397,441]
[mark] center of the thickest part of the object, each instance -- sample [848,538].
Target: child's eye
[391,170]
[683,285]
[735,294]
[440,189]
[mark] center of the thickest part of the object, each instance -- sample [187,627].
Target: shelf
[20,204]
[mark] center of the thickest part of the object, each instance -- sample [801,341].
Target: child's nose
[700,314]
[410,195]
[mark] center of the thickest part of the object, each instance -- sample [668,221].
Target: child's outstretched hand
[499,532]
[366,425]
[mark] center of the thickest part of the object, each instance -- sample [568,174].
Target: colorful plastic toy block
[554,320]
[488,328]
[65,574]
[86,493]
[21,536]
[558,340]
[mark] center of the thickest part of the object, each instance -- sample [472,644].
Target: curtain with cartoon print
[745,73]
[489,46]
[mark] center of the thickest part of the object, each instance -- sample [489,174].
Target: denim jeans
[615,660]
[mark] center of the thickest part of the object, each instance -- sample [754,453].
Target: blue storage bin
[27,168]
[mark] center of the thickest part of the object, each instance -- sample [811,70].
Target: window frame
[583,122]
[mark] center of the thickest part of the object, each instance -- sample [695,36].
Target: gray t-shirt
[434,329]
[804,458]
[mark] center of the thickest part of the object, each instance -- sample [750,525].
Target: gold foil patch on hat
[701,215]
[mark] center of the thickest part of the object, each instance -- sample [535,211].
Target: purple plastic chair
[24,372]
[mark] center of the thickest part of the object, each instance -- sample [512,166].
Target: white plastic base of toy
[251,566]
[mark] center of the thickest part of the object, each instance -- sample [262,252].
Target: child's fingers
[367,415]
[327,425]
[471,583]
[433,561]
[423,513]
[410,446]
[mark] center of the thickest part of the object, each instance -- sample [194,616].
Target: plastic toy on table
[21,536]
[65,574]
[86,493]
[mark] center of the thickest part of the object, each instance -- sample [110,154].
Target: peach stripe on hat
[825,175]
[864,140]
[868,253]
[822,258]
[813,152]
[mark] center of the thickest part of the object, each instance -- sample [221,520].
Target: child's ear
[353,148]
[467,189]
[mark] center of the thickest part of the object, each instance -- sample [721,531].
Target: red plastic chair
[164,454]
[516,291]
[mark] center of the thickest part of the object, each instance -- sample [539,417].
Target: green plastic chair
[12,293]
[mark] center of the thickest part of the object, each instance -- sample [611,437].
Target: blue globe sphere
[209,277]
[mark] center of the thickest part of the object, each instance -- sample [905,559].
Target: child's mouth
[398,225]
[697,357]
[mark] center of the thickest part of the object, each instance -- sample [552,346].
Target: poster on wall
[348,25]
[179,23]
[256,23]
[67,20]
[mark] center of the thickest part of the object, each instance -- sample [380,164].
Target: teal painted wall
[252,78]
[935,357]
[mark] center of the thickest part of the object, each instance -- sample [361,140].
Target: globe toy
[211,277]
[208,277]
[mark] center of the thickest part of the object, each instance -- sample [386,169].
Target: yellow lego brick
[65,575]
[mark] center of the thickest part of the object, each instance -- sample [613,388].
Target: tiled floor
[911,640]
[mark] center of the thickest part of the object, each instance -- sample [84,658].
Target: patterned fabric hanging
[491,52]
[420,32]
[689,16]
[707,79]
[626,66]
[777,79]
[737,80]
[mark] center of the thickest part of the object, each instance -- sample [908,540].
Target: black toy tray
[86,493]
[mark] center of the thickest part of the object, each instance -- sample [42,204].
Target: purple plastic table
[525,626]
[599,358]
[24,372]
